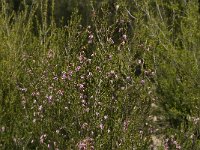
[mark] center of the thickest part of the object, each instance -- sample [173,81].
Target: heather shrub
[124,76]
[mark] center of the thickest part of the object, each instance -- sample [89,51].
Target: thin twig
[130,14]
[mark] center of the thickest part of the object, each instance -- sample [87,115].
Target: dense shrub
[124,77]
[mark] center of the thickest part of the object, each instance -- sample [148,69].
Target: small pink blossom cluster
[169,142]
[86,144]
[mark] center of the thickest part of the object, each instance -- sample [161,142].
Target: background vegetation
[120,74]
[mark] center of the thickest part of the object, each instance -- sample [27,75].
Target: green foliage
[111,75]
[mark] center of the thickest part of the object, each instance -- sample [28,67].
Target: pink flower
[82,146]
[78,68]
[81,86]
[49,98]
[142,82]
[64,76]
[101,126]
